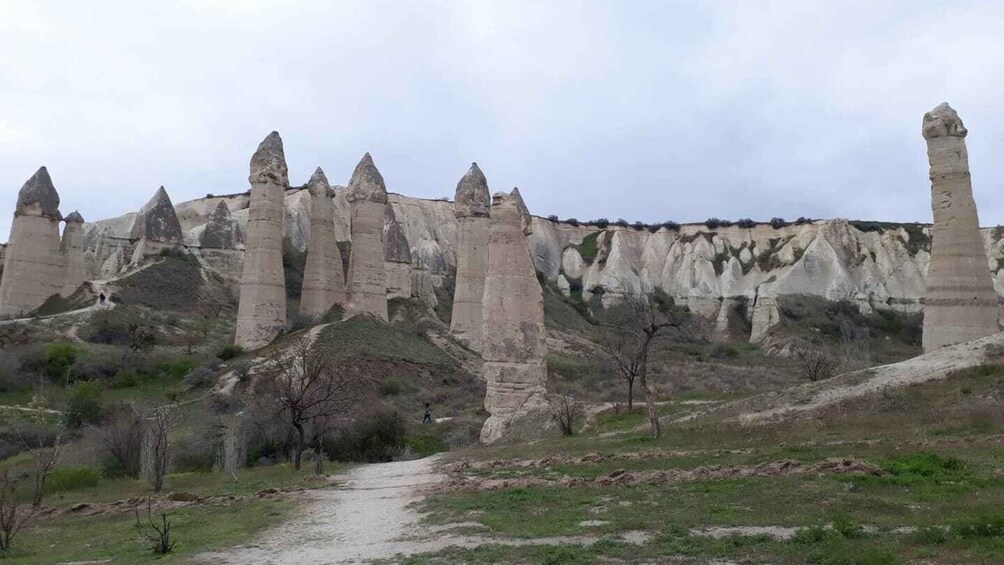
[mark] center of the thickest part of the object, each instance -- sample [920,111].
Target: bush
[553,218]
[621,222]
[242,369]
[52,361]
[193,454]
[63,479]
[11,378]
[572,221]
[601,223]
[228,352]
[376,438]
[110,327]
[778,223]
[199,377]
[83,404]
[987,526]
[671,225]
[638,225]
[746,223]
[802,220]
[712,223]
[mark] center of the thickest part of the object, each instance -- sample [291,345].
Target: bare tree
[156,456]
[158,535]
[13,516]
[305,387]
[122,437]
[633,327]
[816,364]
[565,413]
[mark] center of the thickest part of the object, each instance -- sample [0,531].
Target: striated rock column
[471,207]
[323,278]
[367,282]
[397,256]
[961,304]
[513,337]
[222,230]
[72,249]
[262,311]
[33,265]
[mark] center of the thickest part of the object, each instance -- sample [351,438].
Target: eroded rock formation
[367,281]
[513,334]
[33,265]
[72,249]
[471,206]
[262,311]
[960,304]
[323,278]
[397,256]
[221,230]
[157,221]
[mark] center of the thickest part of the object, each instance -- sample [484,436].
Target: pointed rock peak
[943,121]
[472,197]
[367,182]
[524,212]
[220,213]
[508,208]
[318,184]
[74,218]
[268,164]
[39,191]
[157,220]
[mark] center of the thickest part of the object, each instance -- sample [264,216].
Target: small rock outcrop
[261,314]
[222,231]
[397,256]
[33,265]
[471,207]
[157,221]
[961,304]
[323,278]
[72,249]
[367,281]
[513,334]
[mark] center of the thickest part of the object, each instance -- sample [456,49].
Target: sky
[649,111]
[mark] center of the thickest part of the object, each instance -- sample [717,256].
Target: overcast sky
[647,111]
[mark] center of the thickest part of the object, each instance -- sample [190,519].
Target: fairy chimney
[323,278]
[367,281]
[72,249]
[471,207]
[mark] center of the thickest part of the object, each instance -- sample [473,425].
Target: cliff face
[873,265]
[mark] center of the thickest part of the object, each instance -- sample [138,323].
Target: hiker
[427,419]
[101,299]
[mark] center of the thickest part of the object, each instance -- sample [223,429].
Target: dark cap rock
[74,218]
[943,121]
[472,196]
[38,196]
[367,183]
[318,185]
[268,164]
[157,220]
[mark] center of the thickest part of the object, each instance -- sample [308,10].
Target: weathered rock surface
[72,248]
[262,311]
[367,280]
[397,256]
[157,221]
[472,204]
[323,278]
[513,334]
[33,265]
[960,303]
[221,231]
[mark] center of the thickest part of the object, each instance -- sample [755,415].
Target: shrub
[228,352]
[83,404]
[572,221]
[193,454]
[110,327]
[671,225]
[199,377]
[712,223]
[802,220]
[726,223]
[778,223]
[242,369]
[11,378]
[553,218]
[376,438]
[986,526]
[621,222]
[724,351]
[601,223]
[638,225]
[63,479]
[746,223]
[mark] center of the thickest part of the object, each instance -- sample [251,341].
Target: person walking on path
[427,419]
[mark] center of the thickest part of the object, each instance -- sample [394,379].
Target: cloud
[642,110]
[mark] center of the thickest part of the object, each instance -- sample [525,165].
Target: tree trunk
[318,461]
[653,411]
[630,393]
[298,449]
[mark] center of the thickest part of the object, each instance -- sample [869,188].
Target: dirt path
[367,519]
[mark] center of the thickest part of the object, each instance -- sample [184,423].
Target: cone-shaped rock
[72,248]
[513,336]
[961,304]
[157,220]
[367,280]
[397,256]
[262,311]
[471,207]
[222,230]
[33,265]
[323,278]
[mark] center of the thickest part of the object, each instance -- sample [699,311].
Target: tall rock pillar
[33,265]
[367,282]
[961,304]
[323,278]
[513,337]
[471,207]
[72,249]
[262,311]
[397,256]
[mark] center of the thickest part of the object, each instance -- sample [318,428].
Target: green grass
[589,246]
[366,336]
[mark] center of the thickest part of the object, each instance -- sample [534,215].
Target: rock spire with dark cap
[72,249]
[222,231]
[367,281]
[34,269]
[323,278]
[157,220]
[38,197]
[472,197]
[261,314]
[472,205]
[513,333]
[961,304]
[74,217]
